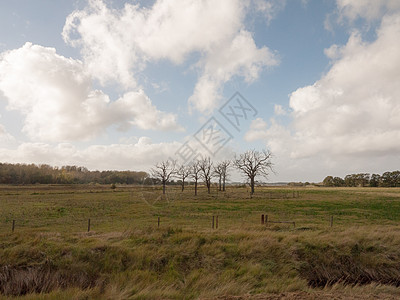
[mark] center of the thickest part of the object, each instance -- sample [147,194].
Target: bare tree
[253,163]
[206,171]
[195,174]
[225,169]
[163,171]
[221,172]
[217,172]
[183,172]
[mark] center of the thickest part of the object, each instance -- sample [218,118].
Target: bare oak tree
[195,172]
[163,171]
[253,163]
[225,172]
[182,173]
[221,172]
[217,172]
[206,171]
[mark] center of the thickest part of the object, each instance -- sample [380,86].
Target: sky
[121,85]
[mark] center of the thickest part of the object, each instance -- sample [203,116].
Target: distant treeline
[387,179]
[45,174]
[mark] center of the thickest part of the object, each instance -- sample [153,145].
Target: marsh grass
[51,256]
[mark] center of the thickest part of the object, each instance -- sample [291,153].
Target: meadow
[128,255]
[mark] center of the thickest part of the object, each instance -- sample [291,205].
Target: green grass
[52,256]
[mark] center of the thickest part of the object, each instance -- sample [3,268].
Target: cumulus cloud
[117,44]
[350,117]
[238,57]
[55,95]
[356,102]
[257,131]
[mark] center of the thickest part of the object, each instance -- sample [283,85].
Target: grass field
[50,254]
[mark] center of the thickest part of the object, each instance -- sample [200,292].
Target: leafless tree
[163,171]
[206,171]
[217,172]
[253,163]
[221,172]
[182,173]
[195,172]
[225,172]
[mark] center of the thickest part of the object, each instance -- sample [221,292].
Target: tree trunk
[220,182]
[163,188]
[183,185]
[195,187]
[208,186]
[223,183]
[252,185]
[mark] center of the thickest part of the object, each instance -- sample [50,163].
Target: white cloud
[279,110]
[270,8]
[55,95]
[350,118]
[257,131]
[137,109]
[368,9]
[5,137]
[130,156]
[356,102]
[96,157]
[118,44]
[237,57]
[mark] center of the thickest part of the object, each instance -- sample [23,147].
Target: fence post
[13,225]
[158,222]
[262,219]
[294,224]
[213,223]
[216,222]
[88,225]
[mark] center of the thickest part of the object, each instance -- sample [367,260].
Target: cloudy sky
[112,84]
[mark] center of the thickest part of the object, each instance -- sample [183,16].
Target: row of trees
[387,179]
[251,163]
[45,174]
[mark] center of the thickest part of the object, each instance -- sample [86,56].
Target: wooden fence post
[158,222]
[88,225]
[13,225]
[262,219]
[213,223]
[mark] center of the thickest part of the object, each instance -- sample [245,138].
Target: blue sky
[124,84]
